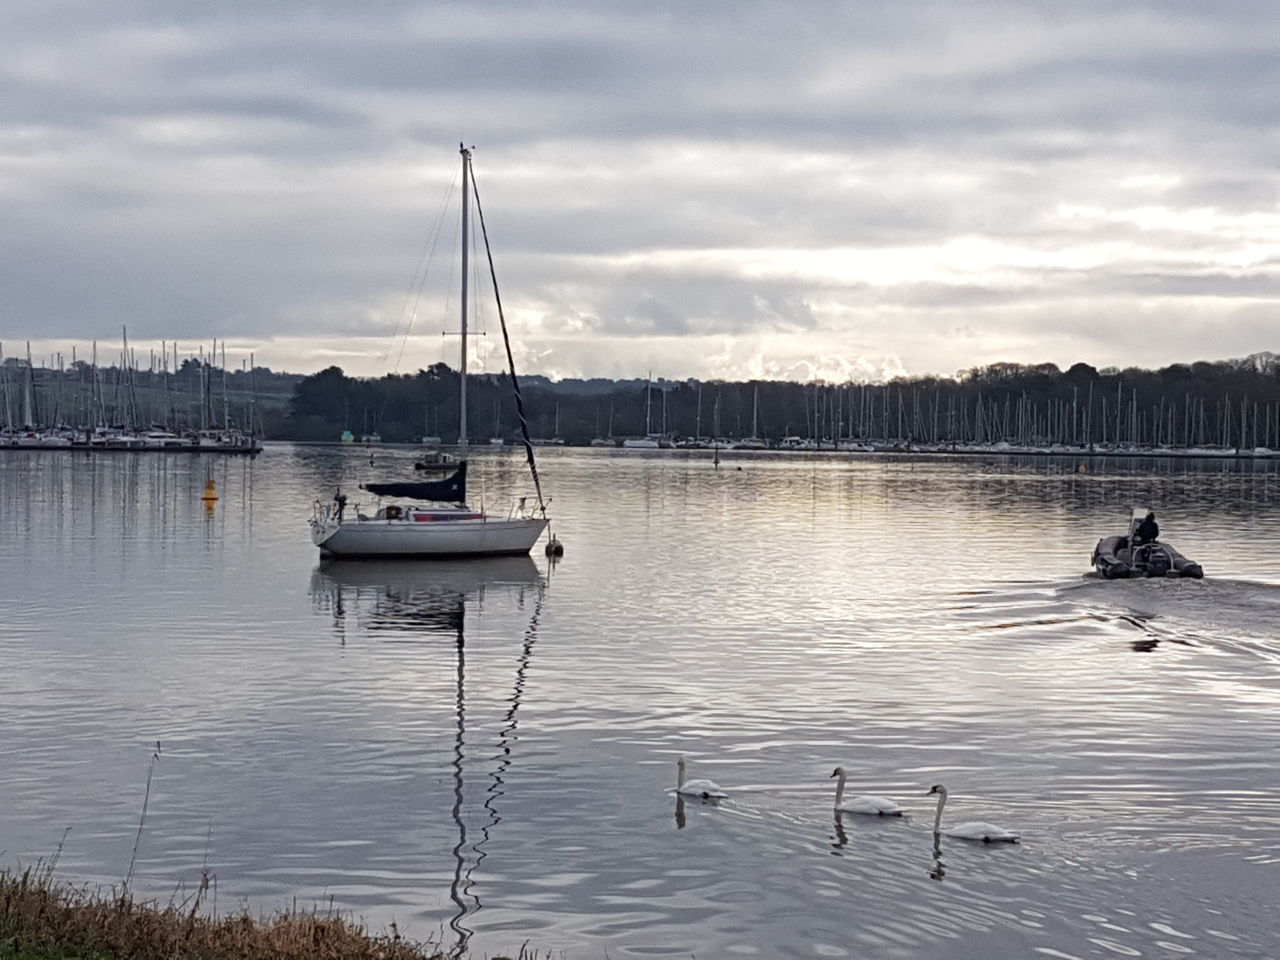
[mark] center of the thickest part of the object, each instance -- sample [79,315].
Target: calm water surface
[481,752]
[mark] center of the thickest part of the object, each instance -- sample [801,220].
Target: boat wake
[1191,609]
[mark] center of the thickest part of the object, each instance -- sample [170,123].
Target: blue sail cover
[452,489]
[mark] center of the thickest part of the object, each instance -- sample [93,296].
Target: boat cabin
[422,514]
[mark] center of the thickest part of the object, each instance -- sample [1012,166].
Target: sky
[800,190]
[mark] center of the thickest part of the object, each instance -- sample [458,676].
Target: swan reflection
[938,870]
[841,838]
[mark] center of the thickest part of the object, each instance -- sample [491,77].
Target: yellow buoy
[210,494]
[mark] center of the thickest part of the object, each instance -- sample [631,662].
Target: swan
[976,830]
[706,789]
[872,806]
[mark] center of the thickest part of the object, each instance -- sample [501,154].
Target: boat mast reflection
[459,743]
[506,737]
[431,597]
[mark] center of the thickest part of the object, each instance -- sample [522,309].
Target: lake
[482,752]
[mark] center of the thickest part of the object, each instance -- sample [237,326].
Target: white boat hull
[486,537]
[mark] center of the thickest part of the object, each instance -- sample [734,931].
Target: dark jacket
[1148,530]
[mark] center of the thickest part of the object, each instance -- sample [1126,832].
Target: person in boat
[1148,530]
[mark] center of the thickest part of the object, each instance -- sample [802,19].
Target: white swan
[872,806]
[975,830]
[706,789]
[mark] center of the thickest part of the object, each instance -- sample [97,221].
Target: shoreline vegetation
[45,919]
[1212,406]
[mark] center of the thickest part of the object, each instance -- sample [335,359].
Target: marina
[175,405]
[102,441]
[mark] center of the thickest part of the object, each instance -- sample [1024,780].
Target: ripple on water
[483,752]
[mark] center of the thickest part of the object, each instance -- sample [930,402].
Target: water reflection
[841,838]
[506,737]
[938,869]
[454,765]
[430,597]
[407,596]
[463,933]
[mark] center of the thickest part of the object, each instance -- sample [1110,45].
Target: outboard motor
[1157,560]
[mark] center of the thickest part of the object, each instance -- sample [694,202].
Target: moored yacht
[435,520]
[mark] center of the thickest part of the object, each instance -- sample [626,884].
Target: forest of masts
[170,392]
[898,415]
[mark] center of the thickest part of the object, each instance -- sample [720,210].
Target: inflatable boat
[1126,556]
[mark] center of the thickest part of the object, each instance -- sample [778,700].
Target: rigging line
[511,363]
[413,296]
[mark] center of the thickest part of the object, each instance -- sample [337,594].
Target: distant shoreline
[869,448]
[865,449]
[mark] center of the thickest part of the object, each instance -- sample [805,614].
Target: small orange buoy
[210,495]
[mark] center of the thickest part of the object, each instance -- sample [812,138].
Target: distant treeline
[1232,403]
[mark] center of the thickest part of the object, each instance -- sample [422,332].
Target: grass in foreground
[44,920]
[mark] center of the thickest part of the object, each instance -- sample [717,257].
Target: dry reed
[43,919]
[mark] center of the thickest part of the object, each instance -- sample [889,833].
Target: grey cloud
[255,170]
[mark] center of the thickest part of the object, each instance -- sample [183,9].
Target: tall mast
[4,382]
[28,418]
[204,413]
[466,243]
[95,395]
[57,417]
[253,395]
[124,373]
[226,406]
[164,369]
[648,396]
[208,381]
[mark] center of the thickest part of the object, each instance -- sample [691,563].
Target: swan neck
[937,820]
[680,775]
[839,788]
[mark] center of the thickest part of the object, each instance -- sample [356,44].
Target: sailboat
[607,441]
[753,442]
[650,440]
[436,521]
